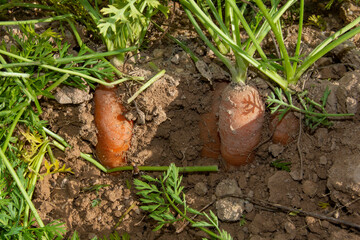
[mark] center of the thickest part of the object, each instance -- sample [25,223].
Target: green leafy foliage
[315,113]
[38,56]
[317,21]
[126,22]
[281,165]
[165,200]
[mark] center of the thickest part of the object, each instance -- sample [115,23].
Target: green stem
[314,57]
[146,85]
[15,109]
[58,82]
[81,43]
[21,188]
[13,74]
[95,55]
[278,35]
[57,137]
[191,5]
[222,58]
[298,43]
[13,125]
[50,19]
[210,168]
[310,113]
[34,97]
[90,78]
[34,176]
[25,5]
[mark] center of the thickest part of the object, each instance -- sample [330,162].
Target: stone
[323,160]
[227,187]
[276,149]
[72,95]
[290,229]
[201,188]
[175,59]
[230,209]
[309,188]
[348,92]
[249,207]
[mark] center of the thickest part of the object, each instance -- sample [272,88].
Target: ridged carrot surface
[241,117]
[114,130]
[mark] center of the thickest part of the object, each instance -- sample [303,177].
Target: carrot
[241,117]
[284,130]
[208,126]
[114,130]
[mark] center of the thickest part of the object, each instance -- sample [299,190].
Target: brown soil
[166,118]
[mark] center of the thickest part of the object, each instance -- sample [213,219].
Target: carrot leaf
[169,199]
[315,113]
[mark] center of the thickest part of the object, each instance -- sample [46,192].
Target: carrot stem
[146,85]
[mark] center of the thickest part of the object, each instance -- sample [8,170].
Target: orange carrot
[241,117]
[209,128]
[114,130]
[285,130]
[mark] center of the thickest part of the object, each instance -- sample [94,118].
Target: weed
[281,165]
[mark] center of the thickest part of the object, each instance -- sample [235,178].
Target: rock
[276,149]
[349,11]
[114,194]
[230,209]
[323,160]
[309,188]
[348,92]
[72,95]
[204,70]
[344,180]
[227,187]
[175,59]
[201,188]
[290,229]
[282,188]
[249,207]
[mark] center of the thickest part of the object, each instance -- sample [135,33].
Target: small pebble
[201,188]
[323,160]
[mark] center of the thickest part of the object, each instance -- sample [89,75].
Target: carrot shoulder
[114,130]
[241,117]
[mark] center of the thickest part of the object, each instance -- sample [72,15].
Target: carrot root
[114,130]
[241,117]
[209,128]
[285,130]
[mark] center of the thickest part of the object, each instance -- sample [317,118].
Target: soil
[325,163]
